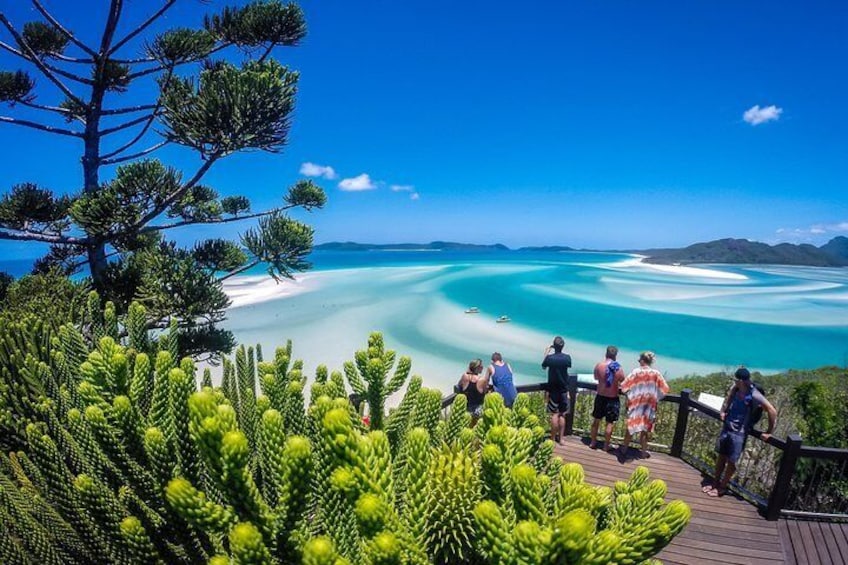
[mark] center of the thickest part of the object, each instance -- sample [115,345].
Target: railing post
[680,425]
[783,482]
[572,404]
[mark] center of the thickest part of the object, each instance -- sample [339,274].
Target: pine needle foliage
[115,228]
[125,460]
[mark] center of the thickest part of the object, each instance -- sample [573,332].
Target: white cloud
[402,188]
[414,196]
[313,170]
[355,184]
[815,229]
[756,115]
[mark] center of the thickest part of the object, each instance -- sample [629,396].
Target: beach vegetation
[139,90]
[125,453]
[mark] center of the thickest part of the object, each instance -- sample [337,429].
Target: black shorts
[606,407]
[558,403]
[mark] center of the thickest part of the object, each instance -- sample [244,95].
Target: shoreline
[329,314]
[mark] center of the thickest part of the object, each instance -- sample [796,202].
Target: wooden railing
[771,495]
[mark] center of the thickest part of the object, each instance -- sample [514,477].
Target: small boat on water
[503,319]
[473,310]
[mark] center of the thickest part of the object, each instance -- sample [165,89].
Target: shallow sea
[697,320]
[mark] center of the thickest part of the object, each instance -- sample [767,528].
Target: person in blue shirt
[736,415]
[500,375]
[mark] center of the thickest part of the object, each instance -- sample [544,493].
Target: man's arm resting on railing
[772,416]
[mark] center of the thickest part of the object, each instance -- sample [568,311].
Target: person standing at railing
[500,375]
[609,375]
[741,401]
[474,387]
[644,387]
[556,390]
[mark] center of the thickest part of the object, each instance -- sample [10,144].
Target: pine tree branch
[126,125]
[142,27]
[55,23]
[25,235]
[55,109]
[266,53]
[77,60]
[115,7]
[35,60]
[147,151]
[146,127]
[138,61]
[127,110]
[42,127]
[53,68]
[160,68]
[216,220]
[177,194]
[239,270]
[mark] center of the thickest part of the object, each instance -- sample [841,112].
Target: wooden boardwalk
[722,530]
[814,542]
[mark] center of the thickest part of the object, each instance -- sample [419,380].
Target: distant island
[432,246]
[730,251]
[832,254]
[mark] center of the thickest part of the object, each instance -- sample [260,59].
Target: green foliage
[267,21]
[115,227]
[368,376]
[180,45]
[125,461]
[231,108]
[44,39]
[29,207]
[16,87]
[51,296]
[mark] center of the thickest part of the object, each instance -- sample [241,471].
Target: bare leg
[720,465]
[554,426]
[594,434]
[608,436]
[643,439]
[562,425]
[728,474]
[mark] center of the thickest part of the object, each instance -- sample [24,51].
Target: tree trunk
[96,251]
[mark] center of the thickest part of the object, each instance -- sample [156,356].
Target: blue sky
[590,124]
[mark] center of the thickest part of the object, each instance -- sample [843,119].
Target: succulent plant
[121,458]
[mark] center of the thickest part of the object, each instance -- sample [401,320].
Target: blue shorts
[731,444]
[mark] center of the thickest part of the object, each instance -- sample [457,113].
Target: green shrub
[124,460]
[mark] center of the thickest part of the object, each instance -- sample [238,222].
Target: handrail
[791,448]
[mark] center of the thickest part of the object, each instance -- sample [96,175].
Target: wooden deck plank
[786,543]
[830,543]
[821,545]
[840,536]
[797,542]
[811,544]
[724,530]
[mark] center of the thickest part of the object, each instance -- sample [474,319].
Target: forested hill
[837,247]
[433,246]
[832,254]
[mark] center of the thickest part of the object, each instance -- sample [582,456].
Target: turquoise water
[713,318]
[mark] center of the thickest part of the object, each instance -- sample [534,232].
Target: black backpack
[757,409]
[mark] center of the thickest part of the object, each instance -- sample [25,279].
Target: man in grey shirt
[741,401]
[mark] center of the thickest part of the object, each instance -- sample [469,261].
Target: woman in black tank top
[470,384]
